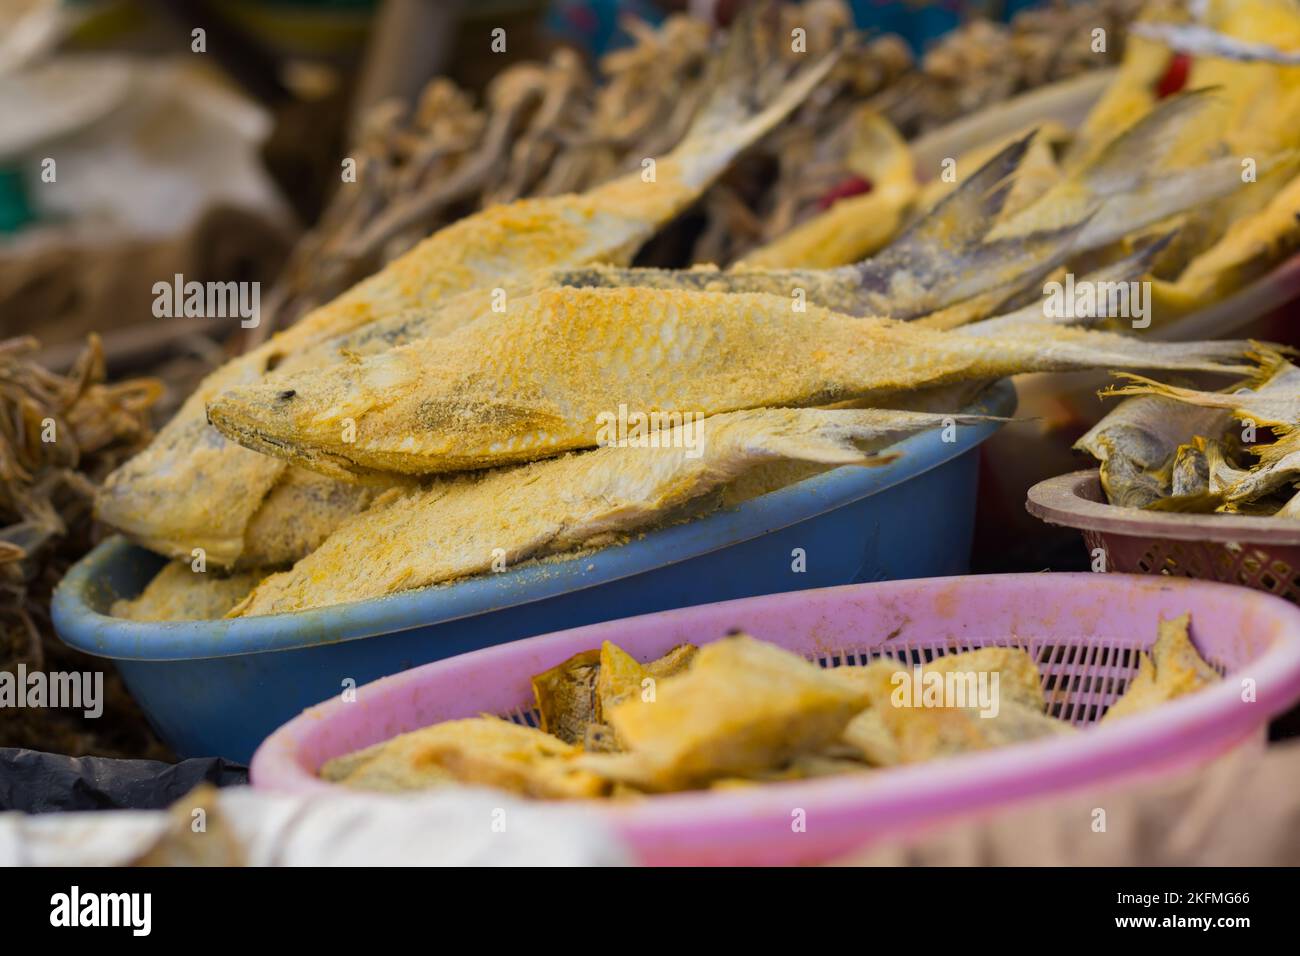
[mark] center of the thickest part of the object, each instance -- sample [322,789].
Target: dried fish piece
[1272,403]
[1137,441]
[299,512]
[542,379]
[892,729]
[573,696]
[742,708]
[452,528]
[179,593]
[46,488]
[477,750]
[1172,669]
[566,696]
[191,488]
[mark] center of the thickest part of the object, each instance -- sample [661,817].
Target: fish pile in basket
[511,388]
[741,712]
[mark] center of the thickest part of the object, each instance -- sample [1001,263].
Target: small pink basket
[1084,630]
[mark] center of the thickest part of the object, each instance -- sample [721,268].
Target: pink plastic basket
[1083,629]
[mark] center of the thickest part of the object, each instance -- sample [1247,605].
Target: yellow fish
[192,489]
[460,526]
[565,368]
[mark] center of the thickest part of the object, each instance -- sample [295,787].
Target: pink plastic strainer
[1083,629]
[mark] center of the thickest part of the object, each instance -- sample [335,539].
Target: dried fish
[478,750]
[179,593]
[743,707]
[193,489]
[59,436]
[453,528]
[1172,669]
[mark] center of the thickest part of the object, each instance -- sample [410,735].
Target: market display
[740,712]
[500,371]
[639,432]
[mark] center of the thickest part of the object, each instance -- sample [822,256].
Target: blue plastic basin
[217,688]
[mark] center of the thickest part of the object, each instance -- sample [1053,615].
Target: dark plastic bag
[35,782]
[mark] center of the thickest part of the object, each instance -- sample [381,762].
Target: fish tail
[744,103]
[1132,267]
[1056,349]
[848,436]
[1140,151]
[946,256]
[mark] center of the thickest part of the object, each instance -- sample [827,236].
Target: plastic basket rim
[1125,746]
[1073,500]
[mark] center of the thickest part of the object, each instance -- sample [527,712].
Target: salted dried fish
[743,707]
[179,593]
[1137,441]
[573,696]
[299,512]
[460,526]
[1172,669]
[890,730]
[1273,402]
[546,377]
[478,750]
[193,489]
[566,696]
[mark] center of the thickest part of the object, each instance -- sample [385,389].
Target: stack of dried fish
[59,436]
[741,712]
[544,129]
[463,395]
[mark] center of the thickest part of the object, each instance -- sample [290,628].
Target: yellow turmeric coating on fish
[553,374]
[179,593]
[459,527]
[192,489]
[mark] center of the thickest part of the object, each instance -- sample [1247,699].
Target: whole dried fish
[545,377]
[458,527]
[193,489]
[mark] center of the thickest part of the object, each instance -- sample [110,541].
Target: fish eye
[287,394]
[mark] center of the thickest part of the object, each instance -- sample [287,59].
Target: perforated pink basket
[1084,630]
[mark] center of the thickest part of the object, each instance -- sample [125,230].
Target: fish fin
[1062,349]
[848,436]
[970,210]
[1128,269]
[1132,156]
[743,105]
[946,257]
